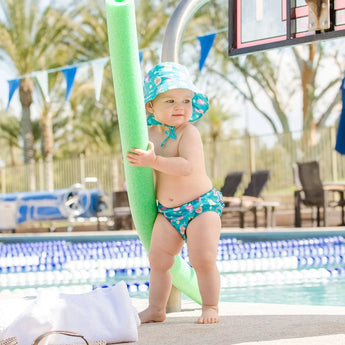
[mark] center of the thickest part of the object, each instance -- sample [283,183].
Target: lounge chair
[312,192]
[251,200]
[122,212]
[232,182]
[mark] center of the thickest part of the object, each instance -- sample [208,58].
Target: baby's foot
[209,315]
[150,315]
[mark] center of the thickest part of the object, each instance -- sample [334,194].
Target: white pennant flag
[98,69]
[42,78]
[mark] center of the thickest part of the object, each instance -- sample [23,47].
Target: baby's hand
[142,158]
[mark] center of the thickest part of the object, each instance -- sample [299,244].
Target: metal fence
[277,153]
[250,153]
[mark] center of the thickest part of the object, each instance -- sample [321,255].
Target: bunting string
[206,42]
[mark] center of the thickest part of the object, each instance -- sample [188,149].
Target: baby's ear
[149,108]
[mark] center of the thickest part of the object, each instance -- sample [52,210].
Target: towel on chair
[102,314]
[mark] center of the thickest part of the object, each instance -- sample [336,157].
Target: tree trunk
[308,85]
[13,155]
[48,146]
[25,95]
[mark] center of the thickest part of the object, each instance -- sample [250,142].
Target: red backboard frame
[294,19]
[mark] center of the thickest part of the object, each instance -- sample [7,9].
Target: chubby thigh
[203,235]
[166,242]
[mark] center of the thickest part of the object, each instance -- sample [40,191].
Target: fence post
[3,180]
[41,184]
[334,162]
[251,151]
[82,167]
[115,174]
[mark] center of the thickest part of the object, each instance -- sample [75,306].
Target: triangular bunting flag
[206,43]
[13,86]
[69,74]
[98,69]
[140,56]
[42,78]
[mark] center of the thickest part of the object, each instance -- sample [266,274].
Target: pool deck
[248,324]
[242,323]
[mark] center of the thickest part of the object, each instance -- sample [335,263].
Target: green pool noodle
[125,64]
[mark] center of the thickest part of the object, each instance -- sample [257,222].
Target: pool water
[304,272]
[307,271]
[313,293]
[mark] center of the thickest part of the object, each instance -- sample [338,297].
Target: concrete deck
[248,324]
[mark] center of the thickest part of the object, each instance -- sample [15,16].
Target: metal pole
[176,27]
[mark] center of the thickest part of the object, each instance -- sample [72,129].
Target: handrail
[176,27]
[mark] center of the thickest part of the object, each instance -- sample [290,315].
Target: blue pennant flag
[69,75]
[140,56]
[206,43]
[13,86]
[340,143]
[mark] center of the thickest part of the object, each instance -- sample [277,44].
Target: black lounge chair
[312,192]
[232,182]
[251,200]
[122,212]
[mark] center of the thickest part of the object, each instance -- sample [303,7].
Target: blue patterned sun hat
[171,75]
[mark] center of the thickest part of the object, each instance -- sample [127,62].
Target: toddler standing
[189,208]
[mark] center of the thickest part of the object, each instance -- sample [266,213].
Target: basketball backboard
[256,25]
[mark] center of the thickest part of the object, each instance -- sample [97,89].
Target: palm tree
[33,39]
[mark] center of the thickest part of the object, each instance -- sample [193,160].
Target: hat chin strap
[170,132]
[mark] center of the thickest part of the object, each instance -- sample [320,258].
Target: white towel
[34,320]
[102,314]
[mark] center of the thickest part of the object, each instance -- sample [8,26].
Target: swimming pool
[308,270]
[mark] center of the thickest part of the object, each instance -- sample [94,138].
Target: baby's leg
[202,239]
[166,242]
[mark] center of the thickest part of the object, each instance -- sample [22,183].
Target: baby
[189,208]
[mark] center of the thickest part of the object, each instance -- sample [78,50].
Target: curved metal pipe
[176,27]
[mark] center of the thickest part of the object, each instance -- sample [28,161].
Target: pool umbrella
[340,143]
